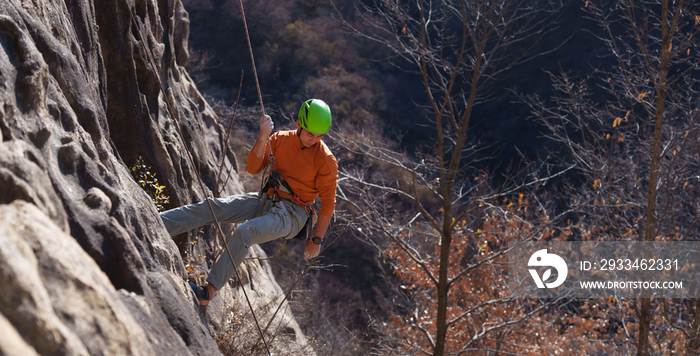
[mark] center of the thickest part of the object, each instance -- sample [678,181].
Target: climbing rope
[270,156]
[252,59]
[191,160]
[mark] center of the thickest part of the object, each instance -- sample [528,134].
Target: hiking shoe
[202,293]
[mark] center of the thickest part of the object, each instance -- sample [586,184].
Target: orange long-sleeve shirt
[311,172]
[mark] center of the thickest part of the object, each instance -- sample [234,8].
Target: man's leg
[284,219]
[230,209]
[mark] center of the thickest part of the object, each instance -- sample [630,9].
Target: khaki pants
[280,219]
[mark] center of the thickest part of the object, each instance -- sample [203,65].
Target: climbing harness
[191,159]
[276,182]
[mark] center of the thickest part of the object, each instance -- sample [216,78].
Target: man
[310,170]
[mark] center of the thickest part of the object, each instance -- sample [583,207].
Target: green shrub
[149,183]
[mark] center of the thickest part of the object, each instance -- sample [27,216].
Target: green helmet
[315,116]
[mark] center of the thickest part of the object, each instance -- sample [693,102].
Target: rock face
[85,262]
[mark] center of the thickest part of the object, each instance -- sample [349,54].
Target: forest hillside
[463,127]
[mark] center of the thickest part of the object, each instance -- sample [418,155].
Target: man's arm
[326,183]
[322,225]
[266,127]
[256,156]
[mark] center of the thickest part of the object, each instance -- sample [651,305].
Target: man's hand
[266,126]
[311,250]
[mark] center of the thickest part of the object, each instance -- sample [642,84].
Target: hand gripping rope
[271,156]
[189,155]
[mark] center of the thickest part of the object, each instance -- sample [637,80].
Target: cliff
[86,265]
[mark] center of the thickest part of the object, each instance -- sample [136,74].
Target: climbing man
[302,169]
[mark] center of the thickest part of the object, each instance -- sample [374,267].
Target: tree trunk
[649,233]
[442,290]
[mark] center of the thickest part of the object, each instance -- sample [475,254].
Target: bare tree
[631,131]
[458,49]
